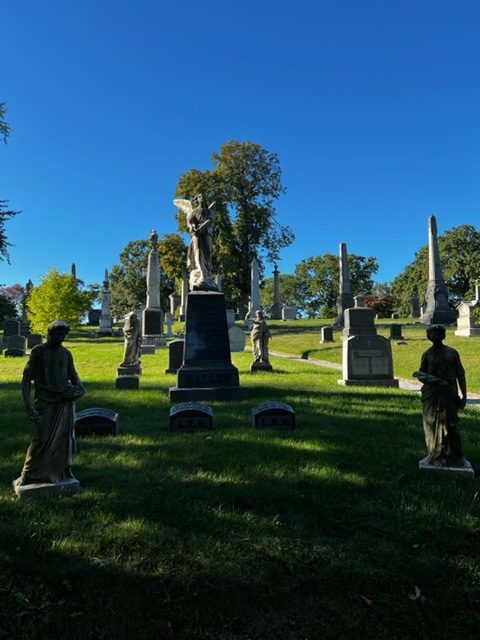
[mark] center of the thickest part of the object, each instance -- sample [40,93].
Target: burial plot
[277,415]
[191,416]
[16,347]
[97,421]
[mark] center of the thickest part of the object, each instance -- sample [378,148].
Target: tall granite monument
[207,371]
[345,299]
[105,327]
[437,310]
[367,357]
[254,304]
[152,317]
[276,308]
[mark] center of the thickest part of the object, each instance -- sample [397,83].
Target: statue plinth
[207,372]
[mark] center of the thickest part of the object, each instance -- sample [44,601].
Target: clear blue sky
[372,107]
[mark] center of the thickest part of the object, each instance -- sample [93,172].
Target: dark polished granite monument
[207,372]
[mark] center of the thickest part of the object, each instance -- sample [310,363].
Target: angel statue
[200,218]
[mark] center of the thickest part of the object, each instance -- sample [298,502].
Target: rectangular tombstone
[147,349]
[127,382]
[10,328]
[289,313]
[152,320]
[191,416]
[16,346]
[277,415]
[94,316]
[34,339]
[359,321]
[175,355]
[207,372]
[396,332]
[97,421]
[230,317]
[367,360]
[237,338]
[326,334]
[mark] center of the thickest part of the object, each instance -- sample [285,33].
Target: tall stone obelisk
[152,317]
[105,327]
[345,299]
[437,310]
[276,308]
[254,304]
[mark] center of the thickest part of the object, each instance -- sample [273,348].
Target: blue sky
[372,107]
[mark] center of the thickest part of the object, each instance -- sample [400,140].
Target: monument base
[46,489]
[127,382]
[260,366]
[177,394]
[469,332]
[147,350]
[207,372]
[370,383]
[155,340]
[467,471]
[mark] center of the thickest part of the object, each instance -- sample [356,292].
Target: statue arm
[28,375]
[76,390]
[462,382]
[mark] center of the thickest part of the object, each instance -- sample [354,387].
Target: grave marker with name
[97,421]
[191,416]
[278,415]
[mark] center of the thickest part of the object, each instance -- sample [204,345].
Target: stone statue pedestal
[467,471]
[46,489]
[128,376]
[260,366]
[207,372]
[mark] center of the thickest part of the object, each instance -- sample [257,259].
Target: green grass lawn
[326,531]
[304,340]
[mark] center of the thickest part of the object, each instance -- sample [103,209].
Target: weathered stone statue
[200,217]
[440,371]
[260,335]
[133,341]
[57,386]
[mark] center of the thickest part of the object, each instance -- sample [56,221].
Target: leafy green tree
[57,297]
[460,257]
[289,291]
[16,293]
[380,303]
[318,281]
[244,183]
[128,280]
[172,251]
[4,128]
[8,308]
[5,213]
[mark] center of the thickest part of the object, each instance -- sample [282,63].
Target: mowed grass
[326,531]
[304,340]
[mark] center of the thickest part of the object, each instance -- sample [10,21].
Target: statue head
[436,333]
[57,332]
[199,200]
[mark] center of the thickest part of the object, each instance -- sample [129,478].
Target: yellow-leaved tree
[57,297]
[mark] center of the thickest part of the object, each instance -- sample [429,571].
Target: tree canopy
[460,257]
[57,297]
[128,280]
[5,212]
[318,278]
[245,182]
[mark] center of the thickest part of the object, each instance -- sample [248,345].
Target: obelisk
[437,310]
[345,299]
[276,308]
[105,325]
[152,317]
[254,304]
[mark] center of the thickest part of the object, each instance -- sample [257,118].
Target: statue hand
[33,414]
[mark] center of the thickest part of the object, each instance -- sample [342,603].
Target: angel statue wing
[184,205]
